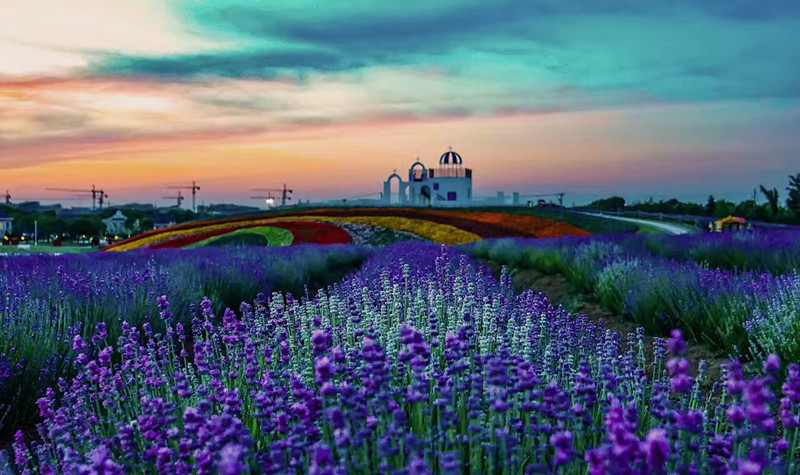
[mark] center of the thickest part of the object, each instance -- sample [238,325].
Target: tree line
[770,208]
[50,223]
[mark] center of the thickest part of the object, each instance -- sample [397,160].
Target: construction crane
[97,195]
[194,189]
[268,199]
[180,198]
[8,198]
[284,193]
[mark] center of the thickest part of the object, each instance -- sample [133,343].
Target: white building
[6,224]
[446,186]
[116,224]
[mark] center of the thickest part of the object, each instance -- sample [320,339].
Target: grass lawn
[46,249]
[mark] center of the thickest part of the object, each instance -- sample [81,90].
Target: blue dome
[450,158]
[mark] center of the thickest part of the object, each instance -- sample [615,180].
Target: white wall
[460,186]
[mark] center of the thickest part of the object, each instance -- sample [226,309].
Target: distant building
[75,212]
[36,207]
[161,222]
[229,209]
[116,224]
[6,224]
[137,206]
[448,185]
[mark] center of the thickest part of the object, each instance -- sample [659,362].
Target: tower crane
[285,192]
[97,195]
[268,199]
[180,198]
[194,189]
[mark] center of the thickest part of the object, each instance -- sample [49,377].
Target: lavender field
[421,360]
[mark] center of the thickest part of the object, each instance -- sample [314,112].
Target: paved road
[666,227]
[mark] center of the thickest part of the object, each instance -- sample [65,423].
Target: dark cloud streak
[232,64]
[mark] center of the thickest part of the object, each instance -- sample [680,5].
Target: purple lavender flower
[21,455]
[772,364]
[656,448]
[562,442]
[324,369]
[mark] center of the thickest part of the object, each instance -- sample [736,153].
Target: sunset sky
[590,97]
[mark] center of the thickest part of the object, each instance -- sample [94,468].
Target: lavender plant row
[46,301]
[748,313]
[420,363]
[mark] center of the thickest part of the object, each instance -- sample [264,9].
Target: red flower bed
[184,241]
[303,232]
[306,232]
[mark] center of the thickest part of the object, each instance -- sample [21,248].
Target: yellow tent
[729,224]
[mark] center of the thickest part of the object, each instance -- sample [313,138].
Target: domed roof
[450,158]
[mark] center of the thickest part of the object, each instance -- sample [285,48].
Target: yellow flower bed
[435,232]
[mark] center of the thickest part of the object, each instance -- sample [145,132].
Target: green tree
[145,224]
[772,199]
[85,226]
[724,208]
[793,201]
[609,204]
[49,224]
[711,206]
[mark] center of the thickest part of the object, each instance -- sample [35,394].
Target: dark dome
[450,158]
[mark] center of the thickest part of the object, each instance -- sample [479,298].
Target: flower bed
[529,225]
[270,235]
[48,300]
[467,225]
[434,232]
[419,363]
[314,233]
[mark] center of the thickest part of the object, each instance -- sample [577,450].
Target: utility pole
[35,233]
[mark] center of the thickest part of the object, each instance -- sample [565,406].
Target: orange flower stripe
[532,225]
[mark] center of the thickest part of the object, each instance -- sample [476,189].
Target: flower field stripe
[434,232]
[439,233]
[314,232]
[273,236]
[530,225]
[483,224]
[222,228]
[301,232]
